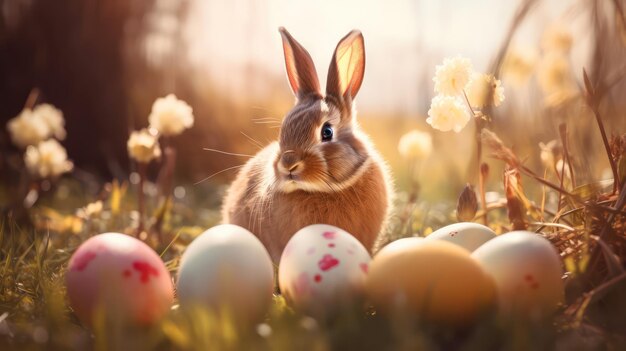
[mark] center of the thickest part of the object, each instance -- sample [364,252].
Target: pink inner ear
[345,64]
[350,60]
[291,67]
[300,68]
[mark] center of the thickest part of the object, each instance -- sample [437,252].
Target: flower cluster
[415,145]
[47,159]
[169,117]
[34,130]
[554,72]
[555,77]
[33,126]
[143,146]
[519,64]
[456,83]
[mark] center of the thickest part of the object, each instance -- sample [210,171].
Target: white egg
[527,271]
[227,270]
[401,244]
[322,269]
[465,234]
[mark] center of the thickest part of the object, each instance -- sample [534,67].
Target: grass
[35,315]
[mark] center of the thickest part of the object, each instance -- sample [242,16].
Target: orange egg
[437,281]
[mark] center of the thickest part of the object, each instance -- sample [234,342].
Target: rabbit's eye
[327,132]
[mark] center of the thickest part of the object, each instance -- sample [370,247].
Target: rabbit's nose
[290,161]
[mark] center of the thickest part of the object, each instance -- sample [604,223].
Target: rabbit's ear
[345,73]
[300,68]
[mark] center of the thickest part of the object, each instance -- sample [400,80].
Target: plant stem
[481,181]
[31,100]
[479,152]
[562,179]
[605,140]
[593,104]
[566,153]
[407,216]
[141,169]
[166,180]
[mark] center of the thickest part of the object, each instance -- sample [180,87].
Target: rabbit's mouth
[290,186]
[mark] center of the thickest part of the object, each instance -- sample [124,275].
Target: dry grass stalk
[514,205]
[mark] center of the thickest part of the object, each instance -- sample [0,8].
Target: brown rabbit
[323,168]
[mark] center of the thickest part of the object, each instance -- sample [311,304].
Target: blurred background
[103,63]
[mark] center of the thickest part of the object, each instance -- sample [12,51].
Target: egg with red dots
[119,278]
[526,269]
[467,235]
[323,269]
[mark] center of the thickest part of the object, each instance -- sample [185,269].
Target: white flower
[519,64]
[484,90]
[562,168]
[555,78]
[415,145]
[557,38]
[47,159]
[452,76]
[170,116]
[27,129]
[91,210]
[53,117]
[447,113]
[143,146]
[550,153]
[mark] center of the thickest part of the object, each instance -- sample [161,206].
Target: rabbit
[323,168]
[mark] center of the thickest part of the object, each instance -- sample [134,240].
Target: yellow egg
[438,281]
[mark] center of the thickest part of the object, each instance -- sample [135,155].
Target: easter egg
[402,243]
[527,272]
[436,281]
[322,269]
[465,234]
[114,275]
[228,271]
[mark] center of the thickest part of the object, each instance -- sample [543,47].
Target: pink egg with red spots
[322,268]
[117,277]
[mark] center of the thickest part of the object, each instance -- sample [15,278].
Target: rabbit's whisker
[266,119]
[254,141]
[227,153]
[268,122]
[216,173]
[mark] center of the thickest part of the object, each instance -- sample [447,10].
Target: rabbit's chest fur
[274,216]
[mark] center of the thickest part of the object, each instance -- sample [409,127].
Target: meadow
[536,142]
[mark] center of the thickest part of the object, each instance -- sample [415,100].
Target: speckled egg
[322,269]
[227,270]
[116,276]
[465,234]
[436,281]
[527,271]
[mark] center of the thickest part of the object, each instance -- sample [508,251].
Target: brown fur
[301,180]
